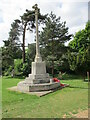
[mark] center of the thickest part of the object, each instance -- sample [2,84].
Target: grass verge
[54,105]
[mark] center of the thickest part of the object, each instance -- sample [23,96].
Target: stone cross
[38,80]
[38,56]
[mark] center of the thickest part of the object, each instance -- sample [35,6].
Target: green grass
[54,105]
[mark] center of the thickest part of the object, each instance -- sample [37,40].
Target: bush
[8,71]
[26,69]
[20,68]
[17,67]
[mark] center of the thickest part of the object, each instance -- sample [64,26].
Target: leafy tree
[28,23]
[79,58]
[13,43]
[7,60]
[52,39]
[10,50]
[30,55]
[20,68]
[25,68]
[12,47]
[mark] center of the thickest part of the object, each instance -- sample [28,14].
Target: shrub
[8,71]
[26,69]
[20,68]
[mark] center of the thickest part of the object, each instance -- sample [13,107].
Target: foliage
[10,50]
[53,50]
[26,69]
[17,66]
[52,39]
[79,56]
[20,68]
[12,47]
[68,76]
[7,60]
[27,20]
[8,71]
[30,55]
[28,23]
[14,33]
[62,65]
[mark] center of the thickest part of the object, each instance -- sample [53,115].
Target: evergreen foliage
[52,39]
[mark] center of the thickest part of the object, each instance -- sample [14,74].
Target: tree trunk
[84,76]
[23,45]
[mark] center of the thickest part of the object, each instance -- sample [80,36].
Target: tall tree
[53,37]
[79,58]
[28,22]
[10,50]
[13,43]
[31,52]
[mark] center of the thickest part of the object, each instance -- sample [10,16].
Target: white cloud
[74,13]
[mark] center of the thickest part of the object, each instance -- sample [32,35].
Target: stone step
[24,86]
[37,81]
[37,76]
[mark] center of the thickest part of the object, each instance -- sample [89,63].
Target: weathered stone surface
[38,68]
[38,93]
[27,87]
[37,76]
[38,80]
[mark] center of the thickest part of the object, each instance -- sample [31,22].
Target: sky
[74,12]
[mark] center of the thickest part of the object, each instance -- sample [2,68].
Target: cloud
[1,17]
[74,13]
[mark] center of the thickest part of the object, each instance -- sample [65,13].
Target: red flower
[56,80]
[62,84]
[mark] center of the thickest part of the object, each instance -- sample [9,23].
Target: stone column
[38,56]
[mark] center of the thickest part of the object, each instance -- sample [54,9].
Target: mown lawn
[53,105]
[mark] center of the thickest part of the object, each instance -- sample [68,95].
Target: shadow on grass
[20,77]
[78,87]
[72,77]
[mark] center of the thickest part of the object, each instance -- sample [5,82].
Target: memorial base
[38,80]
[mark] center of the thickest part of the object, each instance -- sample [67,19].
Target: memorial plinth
[38,80]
